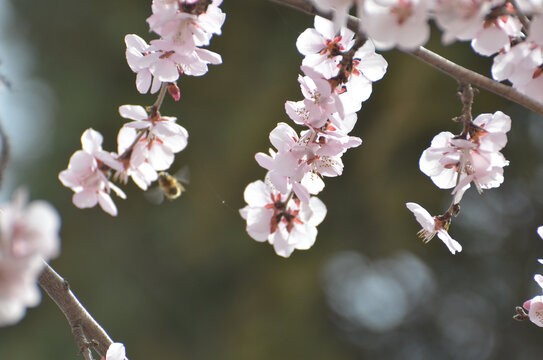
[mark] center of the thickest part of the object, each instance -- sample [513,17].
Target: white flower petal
[452,244]
[423,217]
[134,112]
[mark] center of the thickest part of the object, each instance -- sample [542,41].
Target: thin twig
[154,109]
[466,94]
[446,66]
[87,332]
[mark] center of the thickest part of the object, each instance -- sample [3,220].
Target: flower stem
[154,109]
[289,197]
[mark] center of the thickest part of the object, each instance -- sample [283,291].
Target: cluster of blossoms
[148,143]
[457,161]
[534,306]
[492,26]
[338,74]
[28,237]
[184,27]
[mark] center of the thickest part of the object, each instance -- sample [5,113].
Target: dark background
[183,280]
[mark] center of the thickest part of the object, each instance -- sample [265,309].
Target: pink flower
[320,99]
[164,60]
[135,164]
[521,65]
[368,67]
[188,60]
[535,305]
[87,172]
[183,27]
[285,167]
[300,115]
[481,21]
[315,152]
[432,225]
[323,54]
[396,23]
[322,48]
[286,226]
[370,64]
[494,35]
[477,159]
[343,125]
[462,19]
[176,21]
[161,140]
[439,160]
[28,236]
[332,139]
[138,56]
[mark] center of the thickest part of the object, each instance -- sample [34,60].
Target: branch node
[466,94]
[81,340]
[346,65]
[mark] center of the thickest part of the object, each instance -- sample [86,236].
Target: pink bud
[173,89]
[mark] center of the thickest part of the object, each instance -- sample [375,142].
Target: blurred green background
[183,280]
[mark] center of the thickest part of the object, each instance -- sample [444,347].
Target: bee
[169,186]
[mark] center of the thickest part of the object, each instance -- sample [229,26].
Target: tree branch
[465,75]
[87,332]
[457,72]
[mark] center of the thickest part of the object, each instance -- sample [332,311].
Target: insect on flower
[169,186]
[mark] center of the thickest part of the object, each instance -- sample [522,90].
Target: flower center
[403,10]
